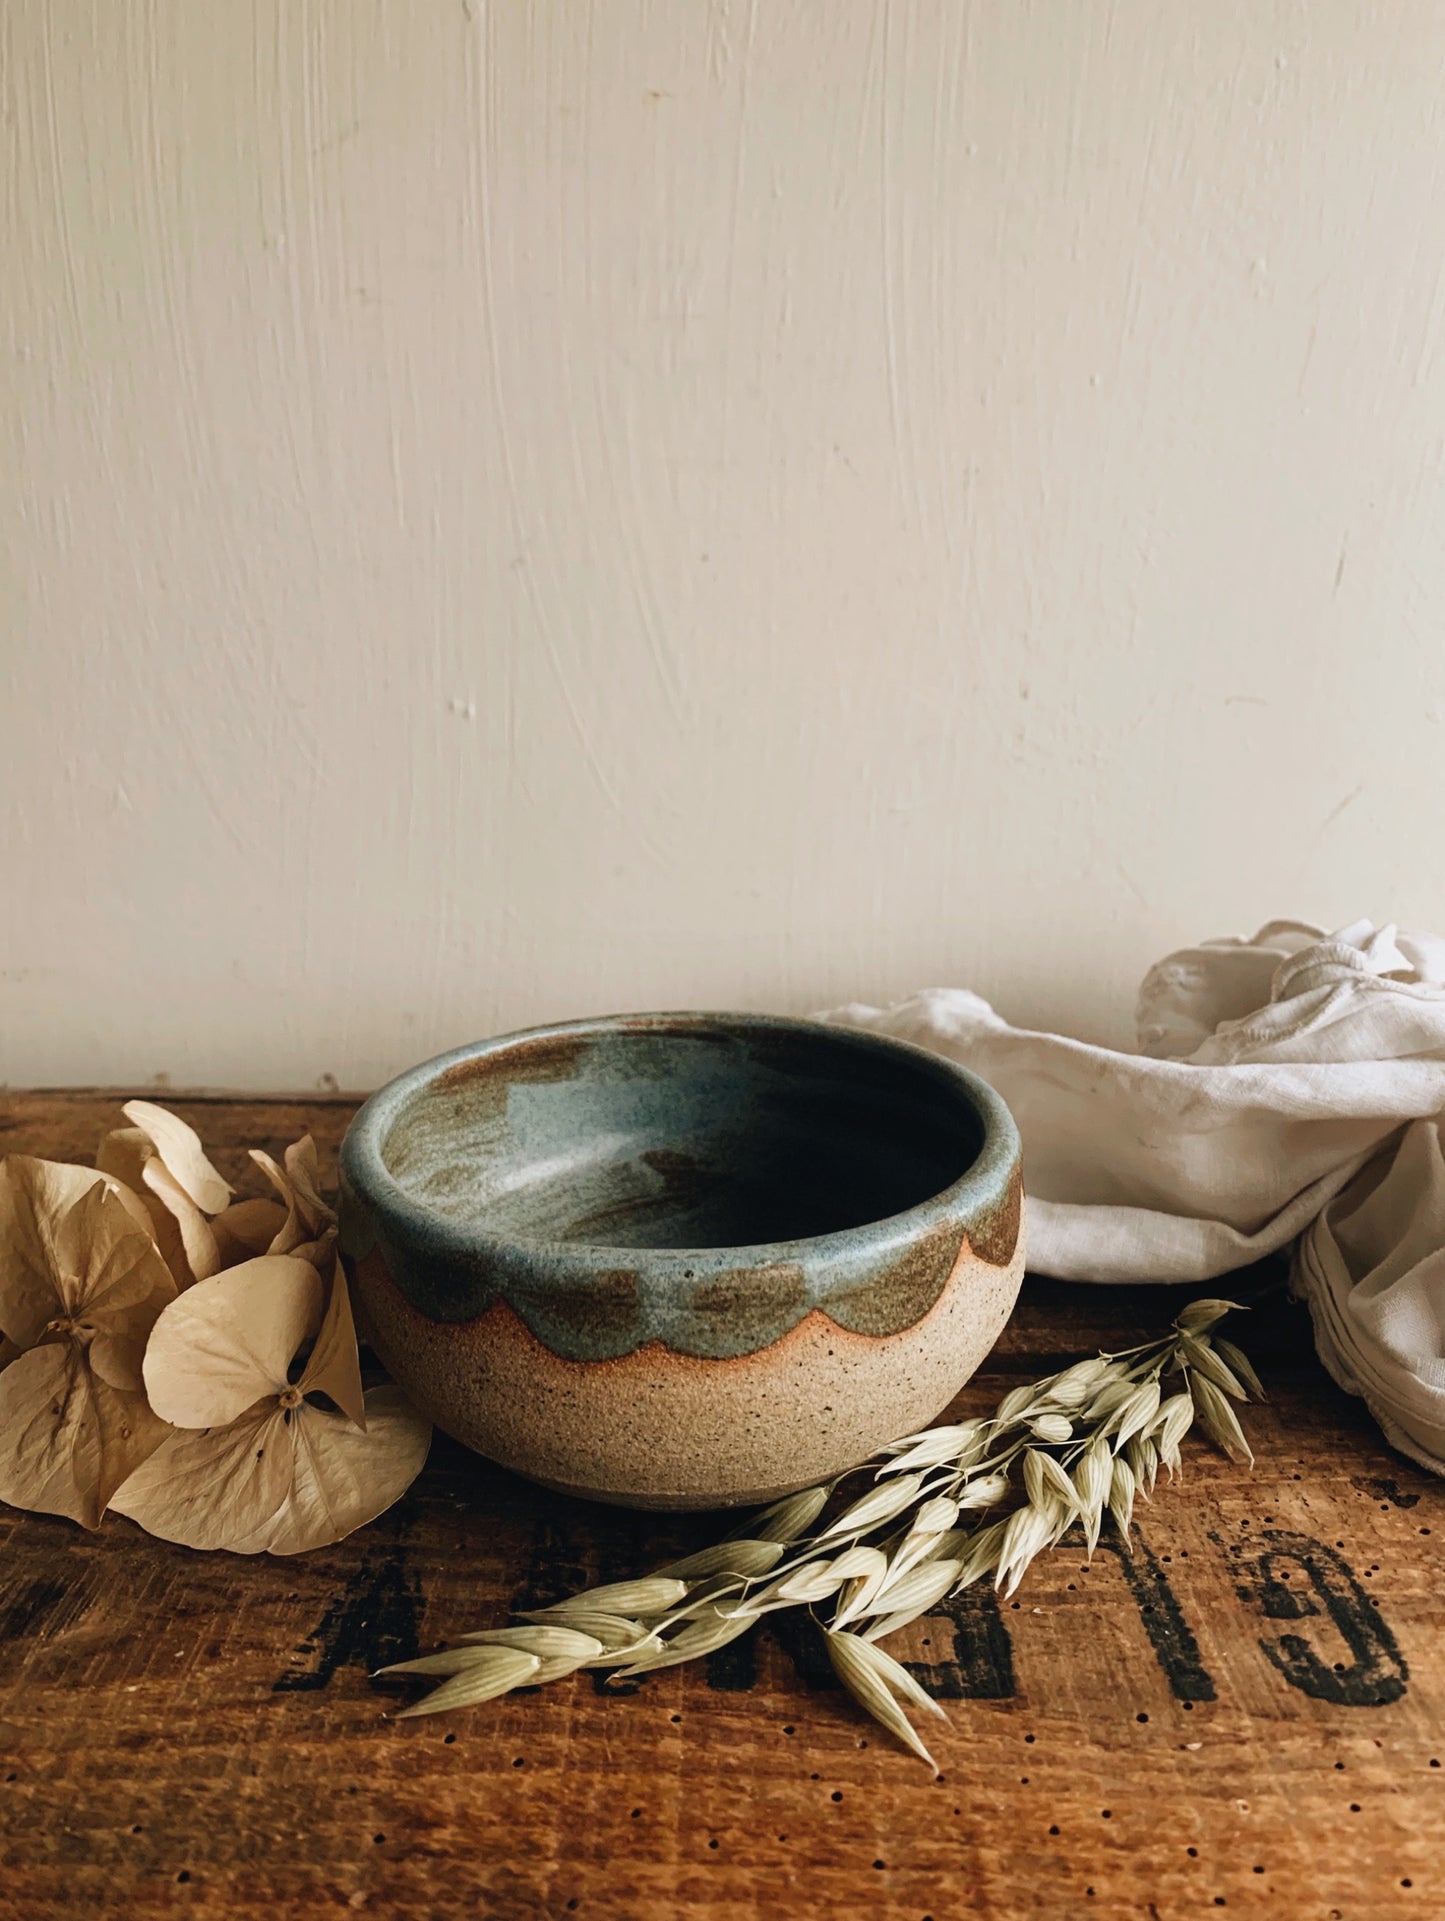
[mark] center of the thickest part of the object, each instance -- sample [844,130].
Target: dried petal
[45,1247]
[183,1233]
[303,1170]
[162,1159]
[82,1287]
[179,1147]
[247,1228]
[310,1224]
[269,1484]
[334,1366]
[229,1341]
[178,1227]
[68,1440]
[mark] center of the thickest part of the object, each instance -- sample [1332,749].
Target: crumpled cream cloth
[1289,1089]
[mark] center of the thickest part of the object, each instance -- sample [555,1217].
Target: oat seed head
[880,1504]
[1202,1314]
[1218,1418]
[896,1552]
[1054,1428]
[861,1676]
[787,1520]
[1240,1363]
[749,1558]
[987,1491]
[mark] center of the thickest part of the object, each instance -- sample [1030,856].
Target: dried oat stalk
[947,1507]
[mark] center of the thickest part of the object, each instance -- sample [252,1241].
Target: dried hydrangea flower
[299,1223]
[255,1464]
[81,1286]
[159,1158]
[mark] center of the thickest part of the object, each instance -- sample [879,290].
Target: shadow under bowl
[683,1260]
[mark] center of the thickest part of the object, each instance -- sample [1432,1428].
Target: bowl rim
[979,1189]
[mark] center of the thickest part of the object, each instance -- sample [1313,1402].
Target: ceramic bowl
[682,1260]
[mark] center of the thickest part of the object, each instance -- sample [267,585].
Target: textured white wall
[516,511]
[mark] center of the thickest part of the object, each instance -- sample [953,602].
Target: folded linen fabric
[1287,1093]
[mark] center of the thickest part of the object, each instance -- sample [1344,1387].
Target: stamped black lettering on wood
[980,1663]
[372,1623]
[803,1645]
[41,1607]
[1376,1676]
[1384,1490]
[553,1571]
[1170,1634]
[734,1669]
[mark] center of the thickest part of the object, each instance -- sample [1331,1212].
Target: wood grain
[1248,1715]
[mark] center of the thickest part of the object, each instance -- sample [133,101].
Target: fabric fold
[1286,1095]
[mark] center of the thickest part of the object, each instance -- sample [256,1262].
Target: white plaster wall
[514,511]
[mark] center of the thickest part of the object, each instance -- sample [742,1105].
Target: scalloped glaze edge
[658,1429]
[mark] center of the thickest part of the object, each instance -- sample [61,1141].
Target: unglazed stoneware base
[658,1429]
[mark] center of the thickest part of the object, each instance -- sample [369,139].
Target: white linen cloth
[1289,1089]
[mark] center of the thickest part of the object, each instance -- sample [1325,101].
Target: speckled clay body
[683,1260]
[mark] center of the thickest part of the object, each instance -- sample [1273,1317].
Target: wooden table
[1247,1716]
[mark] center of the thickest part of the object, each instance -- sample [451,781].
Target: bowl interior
[683,1133]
